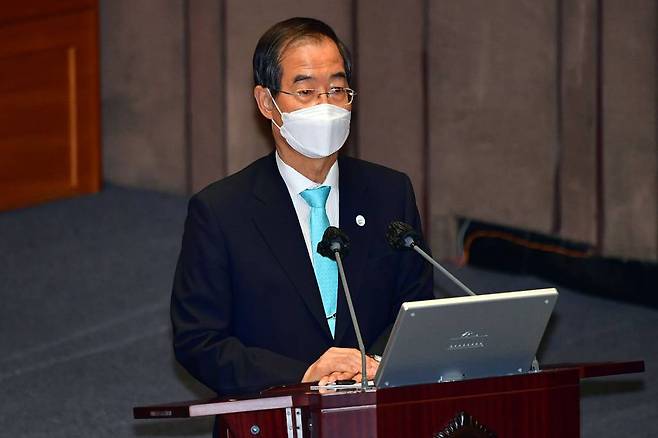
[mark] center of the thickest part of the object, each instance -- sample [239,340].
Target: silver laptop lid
[465,337]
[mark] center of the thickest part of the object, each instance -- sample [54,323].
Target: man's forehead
[306,40]
[303,57]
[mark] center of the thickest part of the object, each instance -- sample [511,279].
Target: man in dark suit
[253,304]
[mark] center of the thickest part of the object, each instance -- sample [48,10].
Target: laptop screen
[468,337]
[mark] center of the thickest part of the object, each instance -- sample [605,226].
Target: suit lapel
[275,218]
[353,202]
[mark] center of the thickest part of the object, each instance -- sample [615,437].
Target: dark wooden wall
[49,101]
[539,115]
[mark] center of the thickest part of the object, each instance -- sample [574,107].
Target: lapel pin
[360,220]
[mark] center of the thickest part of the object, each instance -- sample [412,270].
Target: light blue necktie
[326,271]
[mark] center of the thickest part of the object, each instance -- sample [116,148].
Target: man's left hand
[333,377]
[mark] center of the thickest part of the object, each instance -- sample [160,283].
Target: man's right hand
[339,361]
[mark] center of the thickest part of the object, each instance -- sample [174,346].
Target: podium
[537,404]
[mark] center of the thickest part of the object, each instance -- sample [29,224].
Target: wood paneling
[31,9]
[241,424]
[49,105]
[37,113]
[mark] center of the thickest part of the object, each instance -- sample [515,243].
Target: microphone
[334,245]
[334,241]
[401,235]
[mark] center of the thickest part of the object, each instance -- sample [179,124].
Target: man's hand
[339,364]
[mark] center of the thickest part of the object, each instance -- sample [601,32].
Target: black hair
[267,56]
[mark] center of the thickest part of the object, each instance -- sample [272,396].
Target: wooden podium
[539,404]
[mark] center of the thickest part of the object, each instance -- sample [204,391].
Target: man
[253,304]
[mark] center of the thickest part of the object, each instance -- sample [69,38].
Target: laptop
[469,337]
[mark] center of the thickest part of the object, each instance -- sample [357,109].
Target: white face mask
[317,131]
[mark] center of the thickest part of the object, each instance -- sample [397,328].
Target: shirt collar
[297,183]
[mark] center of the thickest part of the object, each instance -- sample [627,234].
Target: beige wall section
[492,115]
[578,170]
[206,93]
[390,100]
[629,126]
[248,135]
[143,93]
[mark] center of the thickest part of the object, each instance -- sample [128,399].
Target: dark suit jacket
[246,309]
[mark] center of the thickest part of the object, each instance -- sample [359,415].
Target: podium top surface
[300,395]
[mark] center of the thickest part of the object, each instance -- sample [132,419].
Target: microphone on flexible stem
[334,245]
[401,235]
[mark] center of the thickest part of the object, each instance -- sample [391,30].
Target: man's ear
[264,101]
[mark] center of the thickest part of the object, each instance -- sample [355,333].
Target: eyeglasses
[335,95]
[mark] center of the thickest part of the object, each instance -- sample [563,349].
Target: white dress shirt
[297,183]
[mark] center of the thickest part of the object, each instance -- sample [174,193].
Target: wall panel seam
[356,150]
[188,153]
[600,77]
[223,104]
[425,105]
[655,115]
[559,128]
[74,151]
